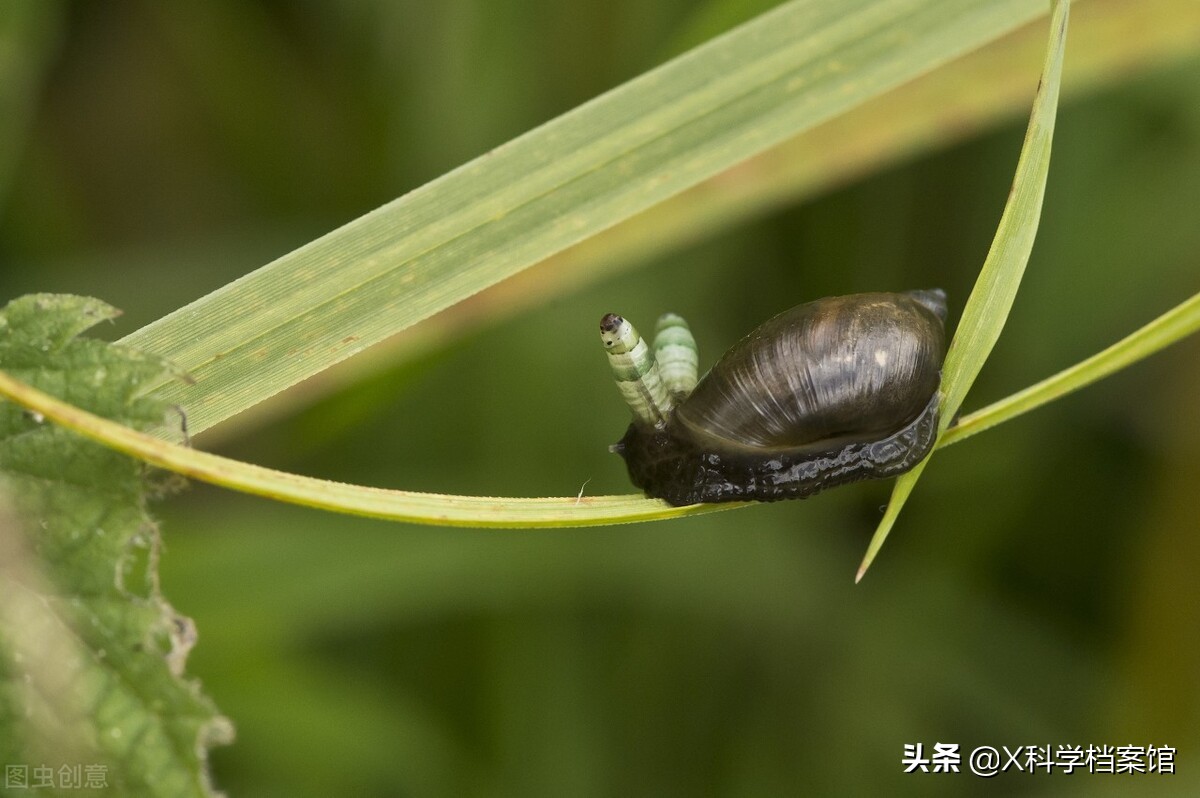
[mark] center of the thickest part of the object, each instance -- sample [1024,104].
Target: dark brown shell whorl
[833,391]
[839,370]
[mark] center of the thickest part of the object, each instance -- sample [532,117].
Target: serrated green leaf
[90,652]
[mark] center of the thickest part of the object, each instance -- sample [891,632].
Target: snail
[833,391]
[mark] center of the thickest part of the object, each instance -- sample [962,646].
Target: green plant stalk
[991,299]
[492,512]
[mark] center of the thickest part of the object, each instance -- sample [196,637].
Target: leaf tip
[862,568]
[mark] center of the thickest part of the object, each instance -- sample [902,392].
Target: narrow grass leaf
[991,300]
[1174,325]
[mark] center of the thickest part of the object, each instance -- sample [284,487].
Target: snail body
[829,392]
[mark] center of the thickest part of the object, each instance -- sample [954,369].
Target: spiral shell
[829,392]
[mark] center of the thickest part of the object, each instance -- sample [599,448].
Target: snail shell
[830,392]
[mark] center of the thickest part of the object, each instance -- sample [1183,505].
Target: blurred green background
[1039,589]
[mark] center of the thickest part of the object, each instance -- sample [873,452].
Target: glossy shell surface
[829,392]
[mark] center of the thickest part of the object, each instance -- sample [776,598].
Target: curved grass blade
[394,505]
[787,71]
[991,300]
[427,508]
[1174,325]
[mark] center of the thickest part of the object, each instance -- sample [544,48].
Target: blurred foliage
[1040,588]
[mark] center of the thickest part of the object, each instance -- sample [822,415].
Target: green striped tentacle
[677,356]
[636,371]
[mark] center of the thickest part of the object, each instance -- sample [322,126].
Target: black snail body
[829,392]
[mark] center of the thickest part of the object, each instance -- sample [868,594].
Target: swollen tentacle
[677,356]
[636,371]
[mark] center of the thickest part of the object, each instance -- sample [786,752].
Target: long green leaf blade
[950,103]
[780,74]
[991,300]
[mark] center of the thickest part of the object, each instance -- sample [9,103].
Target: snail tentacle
[636,371]
[677,355]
